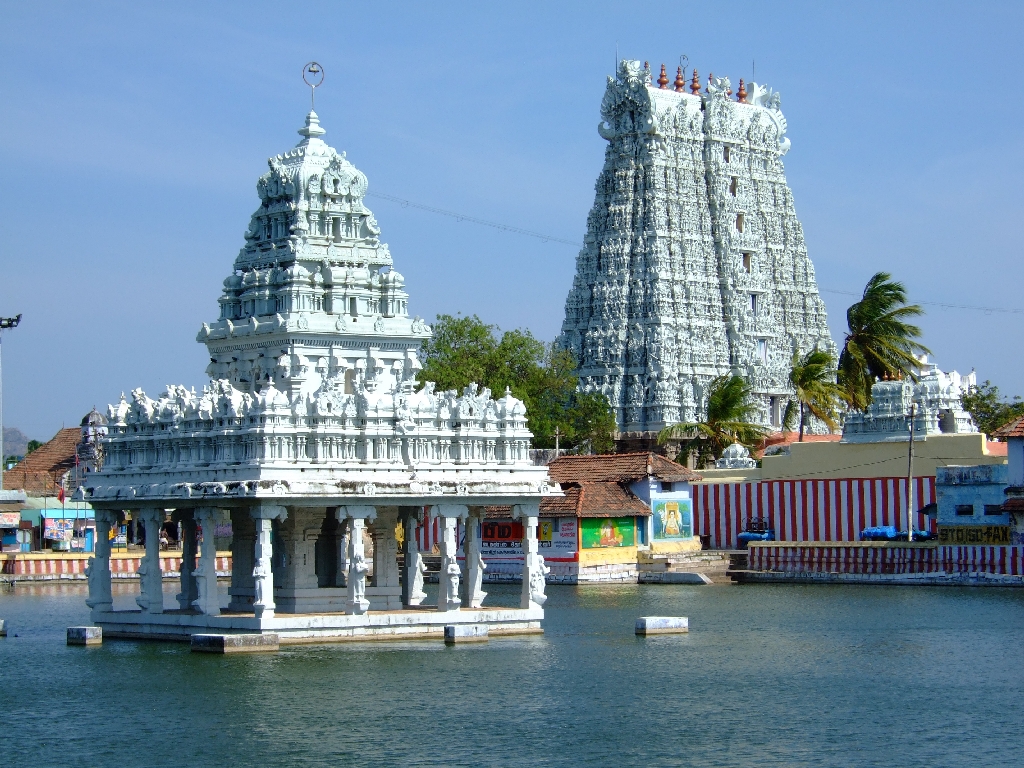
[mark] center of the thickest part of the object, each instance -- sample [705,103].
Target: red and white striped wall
[883,559]
[428,533]
[34,566]
[808,510]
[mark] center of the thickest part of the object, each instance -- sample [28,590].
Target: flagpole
[910,477]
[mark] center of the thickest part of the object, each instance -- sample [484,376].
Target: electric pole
[5,323]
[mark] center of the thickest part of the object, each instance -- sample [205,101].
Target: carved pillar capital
[268,512]
[525,510]
[458,511]
[356,512]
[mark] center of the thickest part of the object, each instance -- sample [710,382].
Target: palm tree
[729,419]
[813,377]
[879,341]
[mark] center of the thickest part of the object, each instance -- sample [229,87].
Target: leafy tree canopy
[989,409]
[729,419]
[879,340]
[813,377]
[466,350]
[32,445]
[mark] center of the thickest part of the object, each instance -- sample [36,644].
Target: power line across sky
[552,239]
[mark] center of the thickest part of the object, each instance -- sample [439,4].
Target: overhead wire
[552,239]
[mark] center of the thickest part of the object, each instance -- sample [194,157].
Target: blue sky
[132,135]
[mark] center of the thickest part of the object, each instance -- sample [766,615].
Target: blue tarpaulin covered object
[748,536]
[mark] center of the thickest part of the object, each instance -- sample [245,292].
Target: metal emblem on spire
[313,76]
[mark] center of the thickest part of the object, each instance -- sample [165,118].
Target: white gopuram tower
[694,263]
[311,437]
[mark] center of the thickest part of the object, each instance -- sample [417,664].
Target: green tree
[879,340]
[465,349]
[32,445]
[813,377]
[988,408]
[729,419]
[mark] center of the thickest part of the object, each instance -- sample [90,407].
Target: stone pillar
[385,549]
[412,579]
[341,578]
[450,574]
[151,578]
[357,567]
[98,569]
[534,569]
[189,589]
[206,574]
[298,538]
[474,560]
[243,542]
[263,602]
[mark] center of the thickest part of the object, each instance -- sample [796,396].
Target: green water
[769,675]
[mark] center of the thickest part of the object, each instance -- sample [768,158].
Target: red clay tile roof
[1014,429]
[619,468]
[40,472]
[602,499]
[1015,504]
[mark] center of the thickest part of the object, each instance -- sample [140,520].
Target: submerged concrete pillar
[450,575]
[263,574]
[206,574]
[189,590]
[98,569]
[534,569]
[151,578]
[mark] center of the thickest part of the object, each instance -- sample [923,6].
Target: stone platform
[318,627]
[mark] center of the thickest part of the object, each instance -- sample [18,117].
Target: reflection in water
[776,675]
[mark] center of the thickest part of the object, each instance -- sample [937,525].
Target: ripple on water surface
[769,675]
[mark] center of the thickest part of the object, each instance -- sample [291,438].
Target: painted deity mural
[597,532]
[673,519]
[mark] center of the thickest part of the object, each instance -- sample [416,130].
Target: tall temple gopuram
[694,263]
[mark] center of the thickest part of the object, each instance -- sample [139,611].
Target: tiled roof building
[40,473]
[599,486]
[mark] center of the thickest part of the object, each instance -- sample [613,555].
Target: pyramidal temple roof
[313,366]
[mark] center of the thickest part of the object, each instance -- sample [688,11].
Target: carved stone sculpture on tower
[694,263]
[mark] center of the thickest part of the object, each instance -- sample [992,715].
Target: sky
[132,135]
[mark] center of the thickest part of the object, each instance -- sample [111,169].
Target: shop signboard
[598,532]
[58,529]
[960,535]
[556,538]
[10,519]
[673,519]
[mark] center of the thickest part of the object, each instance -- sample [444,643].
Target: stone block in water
[85,635]
[3,627]
[662,625]
[465,633]
[253,643]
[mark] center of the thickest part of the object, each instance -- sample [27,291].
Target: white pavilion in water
[310,435]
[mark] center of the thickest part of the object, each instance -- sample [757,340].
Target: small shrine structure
[312,436]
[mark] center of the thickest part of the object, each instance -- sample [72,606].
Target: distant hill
[15,442]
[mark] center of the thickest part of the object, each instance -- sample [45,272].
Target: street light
[5,324]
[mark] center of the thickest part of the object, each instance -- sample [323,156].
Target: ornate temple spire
[694,264]
[312,128]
